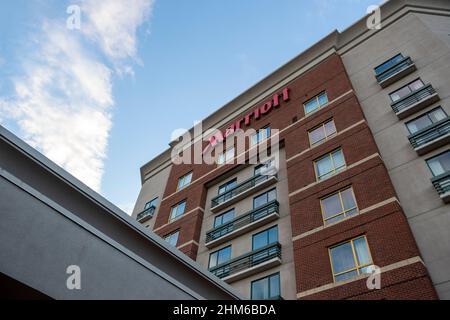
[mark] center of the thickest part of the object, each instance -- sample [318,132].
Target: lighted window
[177,211]
[350,259]
[406,90]
[329,164]
[261,135]
[322,133]
[338,206]
[266,288]
[316,103]
[228,186]
[218,257]
[184,181]
[426,120]
[440,164]
[172,238]
[223,218]
[388,64]
[226,157]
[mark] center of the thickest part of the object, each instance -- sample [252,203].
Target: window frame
[335,170]
[221,216]
[267,194]
[344,212]
[172,219]
[436,156]
[177,232]
[403,87]
[355,258]
[226,184]
[427,114]
[385,62]
[183,180]
[327,137]
[225,157]
[265,230]
[316,97]
[148,207]
[217,257]
[257,134]
[266,277]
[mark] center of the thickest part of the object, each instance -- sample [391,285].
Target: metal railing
[248,260]
[245,219]
[413,97]
[431,133]
[147,213]
[244,186]
[442,183]
[399,66]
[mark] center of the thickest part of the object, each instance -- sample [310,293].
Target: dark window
[266,288]
[426,120]
[228,186]
[224,218]
[386,65]
[406,90]
[152,203]
[264,198]
[172,238]
[265,238]
[219,257]
[440,164]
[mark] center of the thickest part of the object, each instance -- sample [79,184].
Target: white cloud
[63,101]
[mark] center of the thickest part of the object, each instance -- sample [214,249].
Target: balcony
[242,224]
[145,215]
[251,263]
[442,186]
[431,138]
[242,190]
[396,72]
[415,101]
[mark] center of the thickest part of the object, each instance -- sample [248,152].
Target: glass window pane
[273,235]
[188,179]
[224,255]
[323,167]
[338,158]
[181,208]
[380,69]
[317,135]
[259,240]
[440,164]
[400,94]
[348,199]
[346,276]
[342,258]
[419,124]
[331,206]
[260,289]
[323,99]
[274,282]
[437,115]
[311,105]
[272,195]
[259,201]
[416,85]
[330,128]
[362,252]
[213,260]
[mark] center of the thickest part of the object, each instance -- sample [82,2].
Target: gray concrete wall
[426,39]
[243,244]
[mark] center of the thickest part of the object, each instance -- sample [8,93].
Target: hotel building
[362,172]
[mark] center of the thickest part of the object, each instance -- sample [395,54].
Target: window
[152,203]
[184,181]
[329,165]
[338,206]
[265,238]
[388,64]
[264,198]
[403,92]
[440,164]
[224,218]
[260,136]
[322,133]
[228,186]
[266,288]
[265,168]
[177,211]
[219,257]
[426,120]
[226,156]
[172,238]
[350,259]
[316,103]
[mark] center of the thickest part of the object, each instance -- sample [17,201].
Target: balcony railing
[242,221]
[240,188]
[442,183]
[146,214]
[413,98]
[394,69]
[430,134]
[247,261]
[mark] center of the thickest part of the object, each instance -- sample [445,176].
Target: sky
[103,96]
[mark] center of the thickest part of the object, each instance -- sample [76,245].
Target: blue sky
[103,100]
